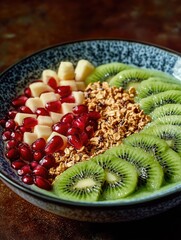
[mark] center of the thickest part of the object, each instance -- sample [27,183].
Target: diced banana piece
[45,120]
[67,107]
[49,97]
[71,83]
[42,131]
[33,103]
[21,116]
[79,96]
[29,137]
[56,116]
[39,87]
[80,85]
[47,74]
[66,71]
[64,138]
[83,69]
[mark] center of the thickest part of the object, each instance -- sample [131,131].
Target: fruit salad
[96,133]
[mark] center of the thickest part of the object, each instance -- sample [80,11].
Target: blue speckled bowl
[98,52]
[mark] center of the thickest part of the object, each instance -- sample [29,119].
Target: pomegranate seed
[23,129]
[38,155]
[25,152]
[42,112]
[28,179]
[27,92]
[39,170]
[73,131]
[12,154]
[68,118]
[89,130]
[92,123]
[84,138]
[10,124]
[94,115]
[52,83]
[25,109]
[75,141]
[19,101]
[79,109]
[69,99]
[29,122]
[26,169]
[18,164]
[6,135]
[61,127]
[80,122]
[39,144]
[2,122]
[54,106]
[33,164]
[17,135]
[11,144]
[54,144]
[64,91]
[48,161]
[12,114]
[42,183]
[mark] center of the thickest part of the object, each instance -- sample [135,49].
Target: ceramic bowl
[98,52]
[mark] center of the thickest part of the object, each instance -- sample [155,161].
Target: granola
[120,117]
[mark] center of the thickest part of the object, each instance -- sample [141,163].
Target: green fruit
[150,88]
[149,104]
[166,110]
[169,160]
[170,133]
[170,79]
[171,120]
[120,177]
[105,72]
[150,172]
[81,182]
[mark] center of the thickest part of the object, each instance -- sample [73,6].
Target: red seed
[19,101]
[39,144]
[29,122]
[55,144]
[12,154]
[27,92]
[54,106]
[69,99]
[26,169]
[10,124]
[52,83]
[18,164]
[33,164]
[39,170]
[79,109]
[11,144]
[28,179]
[48,161]
[68,118]
[42,183]
[92,123]
[38,155]
[61,127]
[12,114]
[25,109]
[75,141]
[25,152]
[2,122]
[42,112]
[80,122]
[84,138]
[64,91]
[73,131]
[17,135]
[23,129]
[94,115]
[89,130]
[6,135]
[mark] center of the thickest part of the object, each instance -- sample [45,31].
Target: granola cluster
[120,117]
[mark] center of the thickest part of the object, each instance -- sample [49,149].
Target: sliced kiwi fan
[146,160]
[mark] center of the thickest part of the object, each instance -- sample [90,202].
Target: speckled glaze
[14,79]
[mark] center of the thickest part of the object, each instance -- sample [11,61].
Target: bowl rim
[38,193]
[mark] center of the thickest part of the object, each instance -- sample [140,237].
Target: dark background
[28,26]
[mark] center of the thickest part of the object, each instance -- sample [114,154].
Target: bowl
[98,52]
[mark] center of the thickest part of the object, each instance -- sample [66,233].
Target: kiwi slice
[148,104]
[169,160]
[170,133]
[150,88]
[166,110]
[170,79]
[106,71]
[81,182]
[121,177]
[150,172]
[171,120]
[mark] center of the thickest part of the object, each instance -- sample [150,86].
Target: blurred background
[31,25]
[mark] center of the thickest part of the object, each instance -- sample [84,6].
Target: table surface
[34,25]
